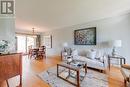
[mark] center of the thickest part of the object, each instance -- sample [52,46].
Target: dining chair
[42,52]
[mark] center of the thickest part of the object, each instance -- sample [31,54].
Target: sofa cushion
[81,58]
[98,54]
[95,63]
[91,62]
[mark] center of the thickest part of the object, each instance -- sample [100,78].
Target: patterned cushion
[74,53]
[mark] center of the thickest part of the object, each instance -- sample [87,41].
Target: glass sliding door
[25,42]
[21,44]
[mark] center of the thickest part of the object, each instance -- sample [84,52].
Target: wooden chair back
[42,51]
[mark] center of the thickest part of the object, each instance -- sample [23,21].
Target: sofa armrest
[105,61]
[126,66]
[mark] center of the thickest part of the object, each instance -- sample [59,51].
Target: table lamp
[65,46]
[115,44]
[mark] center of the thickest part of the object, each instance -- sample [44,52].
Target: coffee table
[74,66]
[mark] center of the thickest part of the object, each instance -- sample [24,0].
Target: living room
[91,36]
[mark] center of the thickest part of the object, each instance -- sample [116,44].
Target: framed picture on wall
[47,40]
[85,36]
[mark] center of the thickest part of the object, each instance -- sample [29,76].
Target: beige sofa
[99,63]
[93,63]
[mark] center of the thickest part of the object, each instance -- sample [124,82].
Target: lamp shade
[116,43]
[65,44]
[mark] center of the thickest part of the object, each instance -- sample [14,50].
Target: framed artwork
[47,41]
[85,36]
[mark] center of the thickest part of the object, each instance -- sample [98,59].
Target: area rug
[92,79]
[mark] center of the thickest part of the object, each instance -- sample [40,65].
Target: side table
[120,58]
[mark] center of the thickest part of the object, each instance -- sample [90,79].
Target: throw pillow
[100,55]
[91,54]
[68,50]
[75,53]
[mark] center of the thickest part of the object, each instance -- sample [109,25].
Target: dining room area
[30,45]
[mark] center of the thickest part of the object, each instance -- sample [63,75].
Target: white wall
[115,28]
[7,31]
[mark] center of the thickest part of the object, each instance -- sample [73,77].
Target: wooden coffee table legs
[78,79]
[85,68]
[77,84]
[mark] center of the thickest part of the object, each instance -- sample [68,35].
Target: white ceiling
[55,14]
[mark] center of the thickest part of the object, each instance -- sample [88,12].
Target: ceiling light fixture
[33,32]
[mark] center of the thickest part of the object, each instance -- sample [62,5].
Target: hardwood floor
[32,67]
[115,77]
